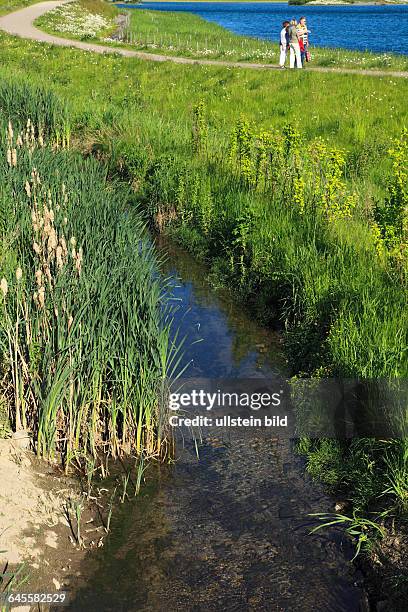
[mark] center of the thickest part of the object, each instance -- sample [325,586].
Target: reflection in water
[221,340]
[229,531]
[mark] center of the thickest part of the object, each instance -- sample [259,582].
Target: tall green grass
[22,102]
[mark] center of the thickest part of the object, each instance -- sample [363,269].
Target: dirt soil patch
[38,538]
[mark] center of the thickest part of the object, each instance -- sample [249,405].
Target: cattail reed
[87,369]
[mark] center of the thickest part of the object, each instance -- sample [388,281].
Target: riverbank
[43,541]
[52,525]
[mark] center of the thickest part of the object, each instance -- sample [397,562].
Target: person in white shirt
[284,43]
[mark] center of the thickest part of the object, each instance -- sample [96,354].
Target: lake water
[376,28]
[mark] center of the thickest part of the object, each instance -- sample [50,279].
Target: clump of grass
[12,5]
[73,512]
[12,579]
[21,103]
[363,530]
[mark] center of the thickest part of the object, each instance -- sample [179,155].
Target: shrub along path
[21,22]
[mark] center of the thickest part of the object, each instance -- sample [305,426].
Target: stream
[230,530]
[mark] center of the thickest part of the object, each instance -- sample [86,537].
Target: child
[303,34]
[284,43]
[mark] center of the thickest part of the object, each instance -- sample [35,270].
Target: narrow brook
[230,530]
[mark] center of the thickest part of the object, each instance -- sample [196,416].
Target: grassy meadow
[292,187]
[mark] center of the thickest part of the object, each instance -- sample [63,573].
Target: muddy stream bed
[230,530]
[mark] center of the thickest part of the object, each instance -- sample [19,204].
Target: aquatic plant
[84,331]
[362,529]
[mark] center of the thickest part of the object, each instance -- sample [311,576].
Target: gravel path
[20,23]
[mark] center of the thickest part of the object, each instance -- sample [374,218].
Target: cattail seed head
[35,176]
[59,255]
[64,246]
[14,158]
[36,248]
[70,321]
[41,297]
[10,132]
[48,275]
[28,189]
[73,241]
[52,240]
[78,261]
[19,274]
[38,277]
[4,286]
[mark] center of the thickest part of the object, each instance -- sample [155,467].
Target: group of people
[294,38]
